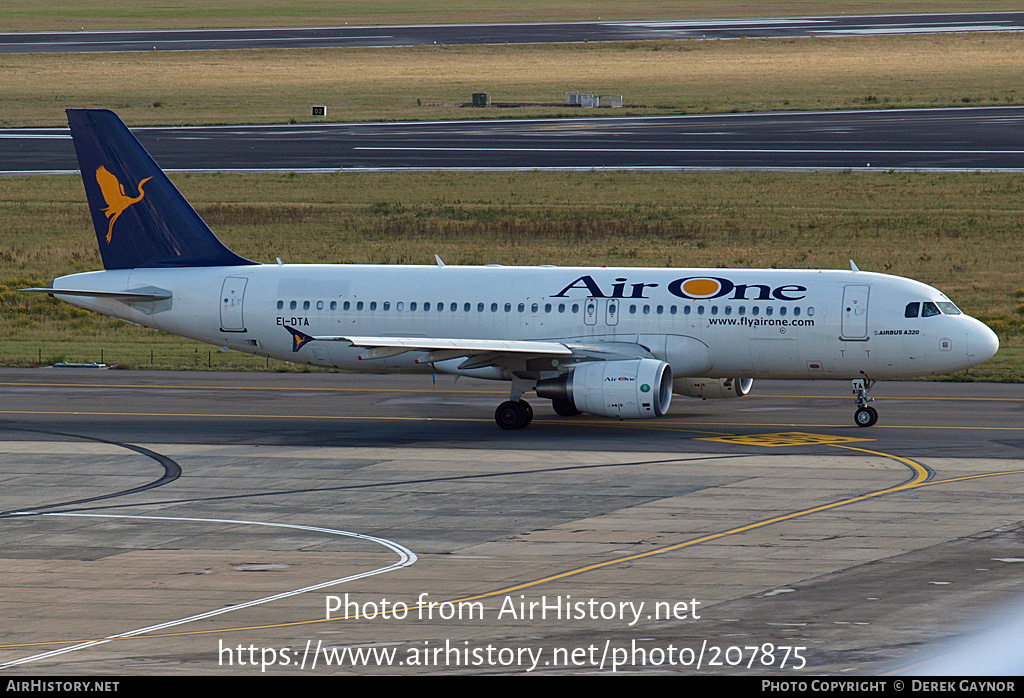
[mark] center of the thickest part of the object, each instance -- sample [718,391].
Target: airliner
[613,342]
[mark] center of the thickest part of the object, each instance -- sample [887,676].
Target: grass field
[431,82]
[959,232]
[48,15]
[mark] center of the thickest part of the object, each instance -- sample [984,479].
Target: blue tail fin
[141,219]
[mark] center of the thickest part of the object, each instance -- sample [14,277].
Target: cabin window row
[427,306]
[703,309]
[633,309]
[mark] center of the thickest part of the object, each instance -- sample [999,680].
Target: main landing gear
[865,416]
[513,414]
[516,413]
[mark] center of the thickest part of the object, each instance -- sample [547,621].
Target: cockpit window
[913,309]
[948,308]
[929,309]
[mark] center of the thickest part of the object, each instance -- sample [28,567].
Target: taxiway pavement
[193,512]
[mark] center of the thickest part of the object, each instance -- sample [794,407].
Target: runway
[199,515]
[953,139]
[453,34]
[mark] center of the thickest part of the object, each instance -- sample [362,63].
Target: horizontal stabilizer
[126,296]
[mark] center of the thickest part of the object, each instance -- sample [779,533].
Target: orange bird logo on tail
[113,194]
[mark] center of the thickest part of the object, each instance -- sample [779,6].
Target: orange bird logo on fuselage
[113,194]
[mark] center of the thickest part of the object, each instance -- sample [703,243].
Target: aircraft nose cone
[983,342]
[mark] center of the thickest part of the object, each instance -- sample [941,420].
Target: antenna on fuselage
[853,266]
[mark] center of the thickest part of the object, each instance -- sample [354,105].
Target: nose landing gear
[865,416]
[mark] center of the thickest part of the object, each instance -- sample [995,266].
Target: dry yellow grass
[426,83]
[49,15]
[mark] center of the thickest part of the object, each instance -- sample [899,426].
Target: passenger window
[661,310]
[672,310]
[547,307]
[913,309]
[768,310]
[455,306]
[359,305]
[728,310]
[412,305]
[426,306]
[319,305]
[387,306]
[700,309]
[632,310]
[755,310]
[466,307]
[373,305]
[796,311]
[782,310]
[561,307]
[534,308]
[929,309]
[686,310]
[508,307]
[810,311]
[522,307]
[742,310]
[280,305]
[479,307]
[334,305]
[575,308]
[305,305]
[292,305]
[714,310]
[346,305]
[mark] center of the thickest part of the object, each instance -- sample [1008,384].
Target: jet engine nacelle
[626,389]
[713,388]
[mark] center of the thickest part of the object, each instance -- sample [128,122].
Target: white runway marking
[919,30]
[839,151]
[43,136]
[406,557]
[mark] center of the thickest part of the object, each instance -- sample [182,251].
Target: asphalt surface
[911,139]
[416,35]
[157,505]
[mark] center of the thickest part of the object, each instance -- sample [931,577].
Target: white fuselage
[751,323]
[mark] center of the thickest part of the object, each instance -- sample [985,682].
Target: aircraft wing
[477,352]
[480,352]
